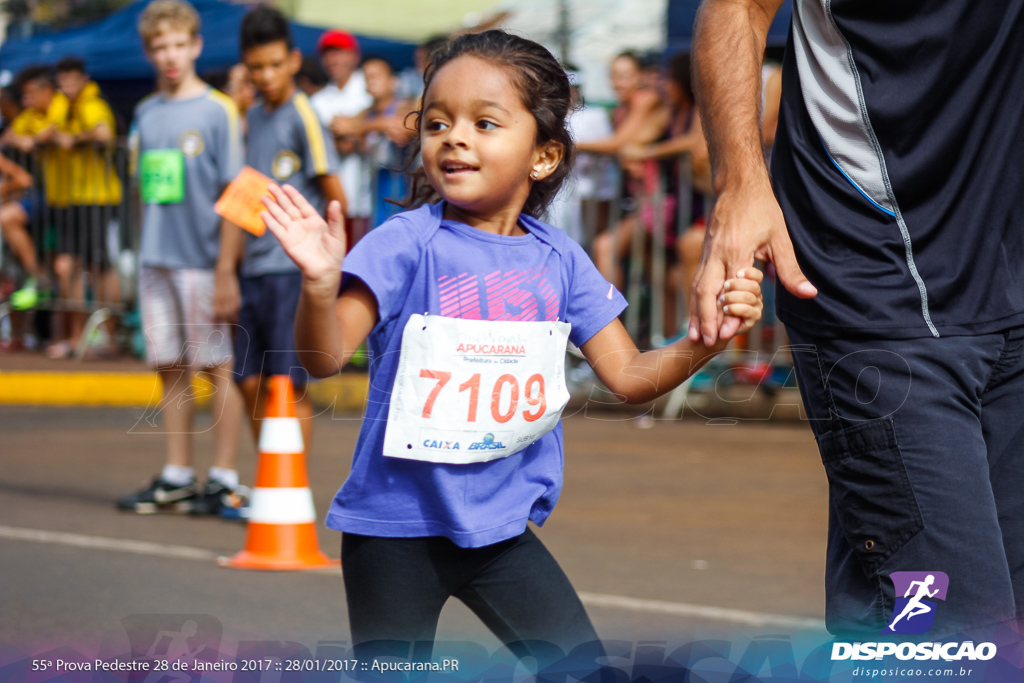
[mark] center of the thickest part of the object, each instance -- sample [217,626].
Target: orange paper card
[241,203]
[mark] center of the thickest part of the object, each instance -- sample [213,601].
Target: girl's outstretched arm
[638,377]
[328,328]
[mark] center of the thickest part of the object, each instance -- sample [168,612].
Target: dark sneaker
[211,498]
[160,496]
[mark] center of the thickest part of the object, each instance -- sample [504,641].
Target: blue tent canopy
[112,49]
[682,13]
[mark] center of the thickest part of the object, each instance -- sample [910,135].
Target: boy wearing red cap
[344,98]
[346,93]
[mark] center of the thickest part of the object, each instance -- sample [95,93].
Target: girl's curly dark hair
[544,89]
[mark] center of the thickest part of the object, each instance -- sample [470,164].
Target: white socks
[178,475]
[225,476]
[183,476]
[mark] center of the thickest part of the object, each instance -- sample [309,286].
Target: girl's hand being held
[742,298]
[317,246]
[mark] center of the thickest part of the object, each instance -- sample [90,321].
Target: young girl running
[466,305]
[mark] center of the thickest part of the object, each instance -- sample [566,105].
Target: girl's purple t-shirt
[418,263]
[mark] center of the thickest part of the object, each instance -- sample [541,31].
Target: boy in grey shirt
[287,143]
[186,146]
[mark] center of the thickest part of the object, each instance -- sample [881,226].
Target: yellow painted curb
[79,388]
[346,392]
[142,389]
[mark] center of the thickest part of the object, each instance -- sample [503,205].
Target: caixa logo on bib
[441,444]
[914,612]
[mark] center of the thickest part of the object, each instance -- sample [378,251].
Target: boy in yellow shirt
[86,134]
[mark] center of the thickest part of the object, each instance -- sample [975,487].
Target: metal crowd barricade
[648,278]
[82,232]
[650,266]
[108,234]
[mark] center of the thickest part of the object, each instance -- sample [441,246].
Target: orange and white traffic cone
[282,522]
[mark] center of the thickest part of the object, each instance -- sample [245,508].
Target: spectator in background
[14,181]
[311,78]
[10,106]
[383,135]
[650,69]
[186,146]
[84,242]
[240,88]
[685,136]
[346,97]
[43,108]
[640,118]
[15,210]
[411,79]
[236,84]
[288,144]
[345,94]
[35,128]
[593,175]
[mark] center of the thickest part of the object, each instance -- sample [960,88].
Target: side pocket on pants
[870,490]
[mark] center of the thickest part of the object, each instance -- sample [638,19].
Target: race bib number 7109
[473,390]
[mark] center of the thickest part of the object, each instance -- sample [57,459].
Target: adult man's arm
[747,222]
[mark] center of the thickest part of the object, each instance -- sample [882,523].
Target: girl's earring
[535,175]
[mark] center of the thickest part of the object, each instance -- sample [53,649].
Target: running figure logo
[164,640]
[914,613]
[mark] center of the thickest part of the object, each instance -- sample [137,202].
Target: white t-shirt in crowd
[592,178]
[351,100]
[348,101]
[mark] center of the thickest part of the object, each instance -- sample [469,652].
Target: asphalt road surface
[672,534]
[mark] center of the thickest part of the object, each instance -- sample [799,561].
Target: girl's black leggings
[396,588]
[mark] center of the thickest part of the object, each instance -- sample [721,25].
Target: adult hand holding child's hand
[317,246]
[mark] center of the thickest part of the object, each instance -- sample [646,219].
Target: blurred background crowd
[637,201]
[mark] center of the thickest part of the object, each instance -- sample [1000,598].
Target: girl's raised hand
[742,298]
[317,246]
